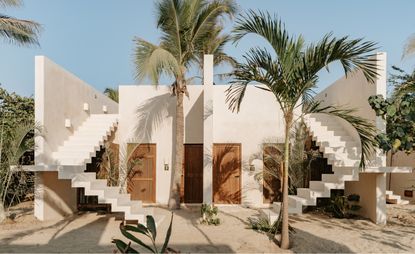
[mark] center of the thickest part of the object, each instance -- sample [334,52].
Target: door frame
[183,177]
[240,171]
[154,195]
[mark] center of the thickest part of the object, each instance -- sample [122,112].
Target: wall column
[381,216]
[371,189]
[380,84]
[207,127]
[39,193]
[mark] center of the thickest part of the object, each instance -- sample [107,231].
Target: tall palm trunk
[285,241]
[174,202]
[2,212]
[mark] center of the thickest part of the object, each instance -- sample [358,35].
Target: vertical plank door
[193,173]
[227,173]
[142,175]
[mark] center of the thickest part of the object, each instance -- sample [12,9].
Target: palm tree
[112,93]
[403,83]
[13,146]
[18,31]
[409,48]
[292,74]
[186,28]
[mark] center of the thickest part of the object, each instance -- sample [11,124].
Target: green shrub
[343,206]
[262,224]
[209,213]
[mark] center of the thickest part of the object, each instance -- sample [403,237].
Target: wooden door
[227,173]
[192,180]
[272,173]
[142,175]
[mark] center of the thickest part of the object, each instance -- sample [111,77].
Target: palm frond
[352,54]
[365,129]
[207,18]
[409,48]
[18,31]
[402,82]
[170,15]
[16,145]
[259,67]
[112,94]
[151,61]
[10,3]
[271,29]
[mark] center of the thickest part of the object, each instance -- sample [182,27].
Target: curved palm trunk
[174,201]
[285,240]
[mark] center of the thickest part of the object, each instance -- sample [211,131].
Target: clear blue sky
[93,39]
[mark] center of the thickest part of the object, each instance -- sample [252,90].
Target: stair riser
[339,157]
[330,134]
[336,144]
[336,178]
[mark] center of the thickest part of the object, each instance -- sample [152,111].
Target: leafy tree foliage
[17,131]
[399,113]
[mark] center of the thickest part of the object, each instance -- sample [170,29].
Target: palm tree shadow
[151,114]
[226,167]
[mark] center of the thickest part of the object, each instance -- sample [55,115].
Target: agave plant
[148,231]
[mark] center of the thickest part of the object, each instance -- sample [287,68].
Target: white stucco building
[223,150]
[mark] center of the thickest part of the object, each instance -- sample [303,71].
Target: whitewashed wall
[60,95]
[354,92]
[399,182]
[258,121]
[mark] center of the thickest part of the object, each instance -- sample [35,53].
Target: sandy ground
[90,232]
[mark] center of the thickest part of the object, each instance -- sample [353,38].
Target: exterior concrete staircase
[395,199]
[78,150]
[341,151]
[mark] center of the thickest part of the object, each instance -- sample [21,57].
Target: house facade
[224,151]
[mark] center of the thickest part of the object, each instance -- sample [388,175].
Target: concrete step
[344,163]
[73,154]
[346,170]
[309,193]
[323,186]
[334,178]
[356,151]
[336,143]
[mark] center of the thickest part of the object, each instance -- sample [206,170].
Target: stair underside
[78,150]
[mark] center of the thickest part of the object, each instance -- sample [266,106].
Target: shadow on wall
[151,115]
[194,122]
[227,174]
[58,196]
[267,169]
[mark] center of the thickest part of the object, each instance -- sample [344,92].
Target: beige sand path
[90,232]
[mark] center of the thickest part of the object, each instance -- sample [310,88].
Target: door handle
[237,176]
